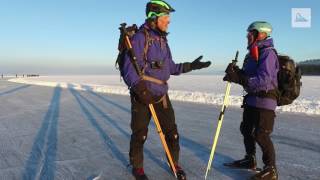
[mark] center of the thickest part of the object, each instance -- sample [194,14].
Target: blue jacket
[158,50]
[262,75]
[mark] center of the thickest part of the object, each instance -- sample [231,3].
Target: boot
[248,162]
[268,173]
[139,174]
[180,173]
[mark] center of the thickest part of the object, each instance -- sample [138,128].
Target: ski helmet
[261,26]
[156,8]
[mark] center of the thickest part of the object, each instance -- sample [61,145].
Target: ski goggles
[154,14]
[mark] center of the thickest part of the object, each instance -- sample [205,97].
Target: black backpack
[131,31]
[122,46]
[289,80]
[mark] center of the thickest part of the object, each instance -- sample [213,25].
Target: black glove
[142,92]
[236,75]
[232,68]
[196,64]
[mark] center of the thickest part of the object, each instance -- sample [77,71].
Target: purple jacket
[262,75]
[158,50]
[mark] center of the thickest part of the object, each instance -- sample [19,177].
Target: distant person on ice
[258,77]
[154,57]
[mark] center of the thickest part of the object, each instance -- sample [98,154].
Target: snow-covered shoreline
[200,93]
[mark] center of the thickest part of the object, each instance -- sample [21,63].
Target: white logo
[301,17]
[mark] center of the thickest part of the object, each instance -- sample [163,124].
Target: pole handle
[236,58]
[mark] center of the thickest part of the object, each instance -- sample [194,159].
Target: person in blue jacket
[154,58]
[258,77]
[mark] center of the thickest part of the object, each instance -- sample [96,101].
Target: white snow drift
[207,89]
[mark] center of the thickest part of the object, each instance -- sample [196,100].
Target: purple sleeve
[266,75]
[175,69]
[129,73]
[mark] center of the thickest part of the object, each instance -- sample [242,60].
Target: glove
[196,64]
[236,75]
[142,92]
[232,68]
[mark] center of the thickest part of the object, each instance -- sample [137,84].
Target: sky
[81,36]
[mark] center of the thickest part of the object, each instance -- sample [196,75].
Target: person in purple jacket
[258,76]
[154,58]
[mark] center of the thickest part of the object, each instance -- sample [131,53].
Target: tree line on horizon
[310,67]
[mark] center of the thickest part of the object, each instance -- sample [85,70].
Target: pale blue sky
[81,36]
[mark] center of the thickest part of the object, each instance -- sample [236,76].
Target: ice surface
[67,134]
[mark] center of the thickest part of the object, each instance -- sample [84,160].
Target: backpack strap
[272,94]
[148,40]
[146,48]
[146,43]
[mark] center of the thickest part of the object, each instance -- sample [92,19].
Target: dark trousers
[140,118]
[257,125]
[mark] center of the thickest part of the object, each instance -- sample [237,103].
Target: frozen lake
[64,133]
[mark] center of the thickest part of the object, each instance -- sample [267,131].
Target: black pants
[257,125]
[140,118]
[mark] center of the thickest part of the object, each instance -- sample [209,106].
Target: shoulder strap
[146,47]
[146,44]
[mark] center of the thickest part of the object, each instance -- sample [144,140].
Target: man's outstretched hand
[196,64]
